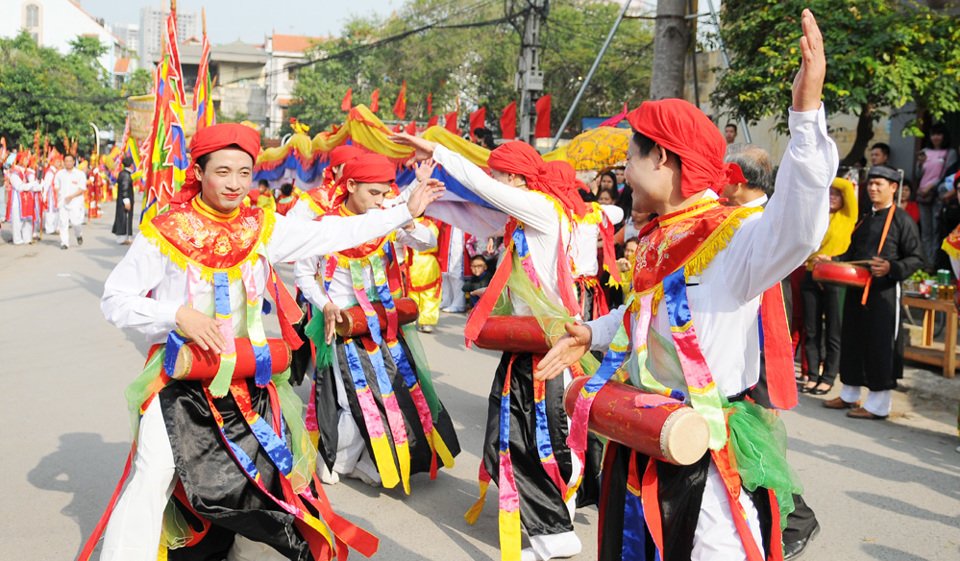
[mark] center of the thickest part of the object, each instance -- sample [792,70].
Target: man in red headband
[194,285]
[692,330]
[525,452]
[317,201]
[350,393]
[22,212]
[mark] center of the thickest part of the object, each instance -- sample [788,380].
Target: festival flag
[347,102]
[397,128]
[615,120]
[166,155]
[430,104]
[434,121]
[400,107]
[478,120]
[508,122]
[123,146]
[543,118]
[202,100]
[375,101]
[411,128]
[451,122]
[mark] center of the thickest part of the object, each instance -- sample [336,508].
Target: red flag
[434,121]
[478,120]
[411,128]
[429,104]
[400,107]
[398,127]
[451,122]
[543,118]
[508,122]
[615,120]
[375,101]
[347,102]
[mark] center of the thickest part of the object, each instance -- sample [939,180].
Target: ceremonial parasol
[599,148]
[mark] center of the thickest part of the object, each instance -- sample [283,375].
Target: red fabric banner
[451,122]
[430,104]
[478,120]
[347,102]
[411,128]
[434,121]
[400,107]
[375,101]
[508,122]
[543,118]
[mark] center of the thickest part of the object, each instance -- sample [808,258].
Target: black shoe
[794,550]
[79,240]
[815,391]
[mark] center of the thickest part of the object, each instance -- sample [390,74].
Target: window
[31,20]
[31,16]
[291,70]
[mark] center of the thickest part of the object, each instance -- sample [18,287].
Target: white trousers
[51,220]
[878,403]
[716,536]
[22,230]
[133,532]
[70,216]
[352,452]
[451,292]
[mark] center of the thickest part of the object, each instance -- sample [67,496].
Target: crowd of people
[687,275]
[46,192]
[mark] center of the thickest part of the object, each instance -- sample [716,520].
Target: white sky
[249,20]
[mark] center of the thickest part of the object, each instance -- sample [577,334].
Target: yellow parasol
[599,148]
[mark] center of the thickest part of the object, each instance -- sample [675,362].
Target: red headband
[210,139]
[561,176]
[366,168]
[681,128]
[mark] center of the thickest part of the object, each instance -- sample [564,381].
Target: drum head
[685,437]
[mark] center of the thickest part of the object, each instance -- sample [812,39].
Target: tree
[57,94]
[459,49]
[138,82]
[881,55]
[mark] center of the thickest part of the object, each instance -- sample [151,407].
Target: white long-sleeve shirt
[583,247]
[145,270]
[764,250]
[68,183]
[543,225]
[340,292]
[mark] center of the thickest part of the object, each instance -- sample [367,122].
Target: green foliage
[138,82]
[881,54]
[59,94]
[476,63]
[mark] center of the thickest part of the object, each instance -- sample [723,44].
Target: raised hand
[425,169]
[201,329]
[808,83]
[423,148]
[423,194]
[331,317]
[566,351]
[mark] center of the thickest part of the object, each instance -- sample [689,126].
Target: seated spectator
[908,202]
[478,281]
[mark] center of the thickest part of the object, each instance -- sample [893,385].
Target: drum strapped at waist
[515,334]
[354,322]
[840,273]
[657,426]
[194,363]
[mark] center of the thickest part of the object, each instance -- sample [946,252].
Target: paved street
[882,490]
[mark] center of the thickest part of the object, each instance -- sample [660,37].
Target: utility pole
[529,78]
[670,42]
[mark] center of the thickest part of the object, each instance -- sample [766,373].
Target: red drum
[194,363]
[515,334]
[354,322]
[657,426]
[845,274]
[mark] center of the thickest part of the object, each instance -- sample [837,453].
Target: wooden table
[930,352]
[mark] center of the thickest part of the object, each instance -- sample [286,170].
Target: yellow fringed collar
[688,238]
[194,234]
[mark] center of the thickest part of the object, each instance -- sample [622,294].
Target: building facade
[153,21]
[286,54]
